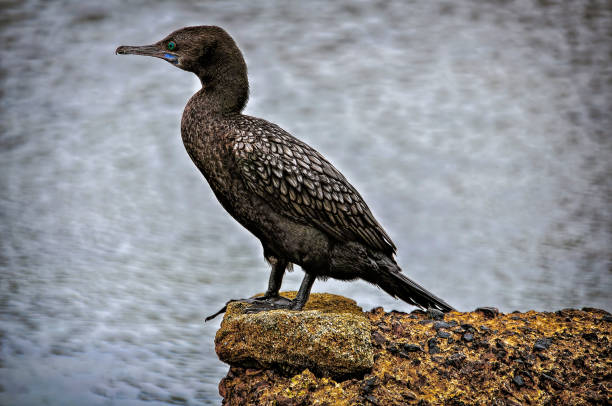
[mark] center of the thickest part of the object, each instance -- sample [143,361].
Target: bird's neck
[225,91]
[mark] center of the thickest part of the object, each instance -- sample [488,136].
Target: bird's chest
[209,145]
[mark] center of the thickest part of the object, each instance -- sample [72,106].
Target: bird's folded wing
[298,182]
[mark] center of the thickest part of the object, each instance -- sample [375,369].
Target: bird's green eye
[171,45]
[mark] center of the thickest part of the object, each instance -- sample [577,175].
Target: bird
[287,194]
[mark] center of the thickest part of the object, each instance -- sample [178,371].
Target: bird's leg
[271,297]
[276,279]
[302,296]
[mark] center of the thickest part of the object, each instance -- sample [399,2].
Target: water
[478,133]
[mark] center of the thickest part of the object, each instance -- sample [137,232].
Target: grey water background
[478,132]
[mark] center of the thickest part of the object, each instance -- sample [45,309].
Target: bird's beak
[148,50]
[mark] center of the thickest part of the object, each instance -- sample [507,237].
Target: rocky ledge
[332,353]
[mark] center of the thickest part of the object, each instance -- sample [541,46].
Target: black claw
[222,310]
[212,316]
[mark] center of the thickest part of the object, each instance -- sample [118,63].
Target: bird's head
[207,51]
[191,48]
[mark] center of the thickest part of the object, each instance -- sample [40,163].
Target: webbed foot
[272,303]
[259,304]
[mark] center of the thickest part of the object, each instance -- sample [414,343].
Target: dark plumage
[283,191]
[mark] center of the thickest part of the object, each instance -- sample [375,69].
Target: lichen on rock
[474,358]
[330,337]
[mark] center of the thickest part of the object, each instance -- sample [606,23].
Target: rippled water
[478,133]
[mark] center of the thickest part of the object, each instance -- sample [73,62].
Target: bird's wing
[298,182]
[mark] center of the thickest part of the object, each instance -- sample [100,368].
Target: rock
[403,351]
[441,324]
[503,370]
[369,384]
[378,338]
[412,347]
[542,344]
[490,312]
[456,360]
[432,344]
[443,334]
[331,337]
[518,381]
[555,383]
[468,327]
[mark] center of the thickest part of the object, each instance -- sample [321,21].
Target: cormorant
[302,209]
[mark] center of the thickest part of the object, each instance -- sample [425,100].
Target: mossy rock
[475,358]
[330,337]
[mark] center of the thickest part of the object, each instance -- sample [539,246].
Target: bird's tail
[391,280]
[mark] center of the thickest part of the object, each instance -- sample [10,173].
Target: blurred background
[478,132]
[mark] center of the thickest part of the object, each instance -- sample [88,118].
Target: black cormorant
[302,209]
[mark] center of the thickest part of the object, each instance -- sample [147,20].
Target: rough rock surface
[330,336]
[477,358]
